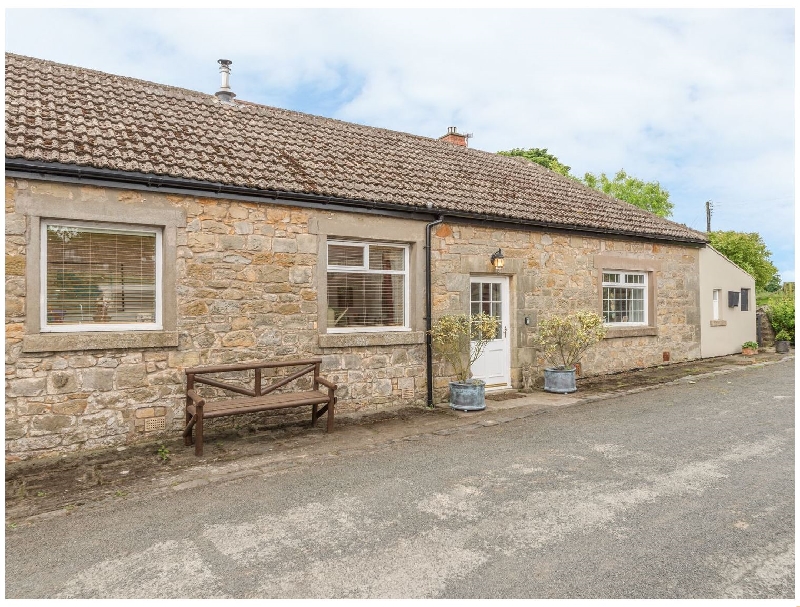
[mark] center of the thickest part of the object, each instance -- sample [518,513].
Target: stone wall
[552,273]
[246,288]
[245,284]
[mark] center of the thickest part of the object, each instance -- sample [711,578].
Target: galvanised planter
[781,347]
[467,395]
[560,381]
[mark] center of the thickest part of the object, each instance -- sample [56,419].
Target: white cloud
[700,100]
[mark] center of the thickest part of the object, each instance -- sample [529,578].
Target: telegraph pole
[709,208]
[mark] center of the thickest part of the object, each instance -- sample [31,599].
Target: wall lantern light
[497,260]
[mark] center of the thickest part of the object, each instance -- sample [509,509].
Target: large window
[100,278]
[624,298]
[367,286]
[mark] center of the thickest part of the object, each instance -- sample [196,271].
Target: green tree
[647,195]
[540,156]
[774,285]
[748,251]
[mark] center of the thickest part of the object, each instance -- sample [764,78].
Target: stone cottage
[151,228]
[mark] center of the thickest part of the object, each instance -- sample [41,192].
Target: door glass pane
[486,298]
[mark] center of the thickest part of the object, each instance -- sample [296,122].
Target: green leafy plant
[751,345]
[647,195]
[564,339]
[783,335]
[163,453]
[462,338]
[781,316]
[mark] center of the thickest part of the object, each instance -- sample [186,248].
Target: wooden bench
[257,399]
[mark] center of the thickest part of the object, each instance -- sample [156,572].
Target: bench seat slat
[234,406]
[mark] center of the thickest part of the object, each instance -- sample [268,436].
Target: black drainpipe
[428,309]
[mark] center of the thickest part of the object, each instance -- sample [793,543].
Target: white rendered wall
[734,327]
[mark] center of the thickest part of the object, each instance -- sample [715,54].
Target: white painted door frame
[490,294]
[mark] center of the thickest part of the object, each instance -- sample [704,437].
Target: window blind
[100,276]
[366,285]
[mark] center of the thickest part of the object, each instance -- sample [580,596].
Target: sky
[701,101]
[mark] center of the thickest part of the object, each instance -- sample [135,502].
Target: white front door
[489,294]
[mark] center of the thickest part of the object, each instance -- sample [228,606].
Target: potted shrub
[461,339]
[563,340]
[749,348]
[782,341]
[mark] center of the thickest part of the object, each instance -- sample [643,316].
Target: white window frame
[115,228]
[364,269]
[715,304]
[644,286]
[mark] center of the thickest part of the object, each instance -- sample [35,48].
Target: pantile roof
[70,115]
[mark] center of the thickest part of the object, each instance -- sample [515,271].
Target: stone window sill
[719,323]
[389,338]
[64,342]
[616,332]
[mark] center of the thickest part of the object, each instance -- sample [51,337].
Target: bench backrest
[198,375]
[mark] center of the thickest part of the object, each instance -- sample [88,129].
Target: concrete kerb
[277,462]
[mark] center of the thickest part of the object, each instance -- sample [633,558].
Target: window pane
[475,292]
[97,276]
[634,279]
[386,258]
[365,300]
[345,255]
[610,277]
[495,292]
[621,305]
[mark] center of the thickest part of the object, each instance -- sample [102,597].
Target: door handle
[505,332]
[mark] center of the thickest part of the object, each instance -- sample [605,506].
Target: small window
[715,305]
[367,286]
[625,298]
[745,305]
[100,278]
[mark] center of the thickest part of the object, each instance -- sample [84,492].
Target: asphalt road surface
[686,491]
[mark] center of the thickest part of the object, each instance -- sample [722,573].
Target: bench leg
[198,443]
[330,415]
[314,414]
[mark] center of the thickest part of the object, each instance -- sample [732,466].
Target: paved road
[682,492]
